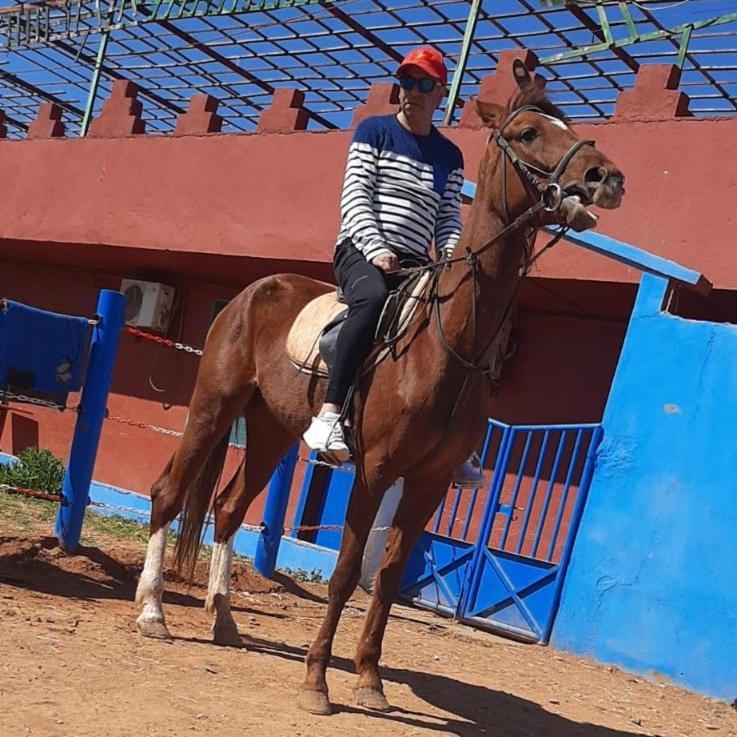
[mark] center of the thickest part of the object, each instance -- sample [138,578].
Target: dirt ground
[73,663]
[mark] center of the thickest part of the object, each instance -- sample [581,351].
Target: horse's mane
[535,96]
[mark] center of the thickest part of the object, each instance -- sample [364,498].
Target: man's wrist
[377,253]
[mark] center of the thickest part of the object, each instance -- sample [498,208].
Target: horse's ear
[521,75]
[491,114]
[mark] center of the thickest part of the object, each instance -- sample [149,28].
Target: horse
[417,414]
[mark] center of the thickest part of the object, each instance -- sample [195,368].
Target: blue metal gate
[496,557]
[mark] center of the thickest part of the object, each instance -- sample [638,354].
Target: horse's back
[286,289]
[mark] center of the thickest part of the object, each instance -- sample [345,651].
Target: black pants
[365,288]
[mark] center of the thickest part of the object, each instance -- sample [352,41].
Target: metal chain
[161,430]
[334,528]
[162,341]
[4,396]
[325,464]
[30,492]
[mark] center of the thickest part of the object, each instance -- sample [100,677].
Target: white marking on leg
[218,592]
[220,565]
[151,583]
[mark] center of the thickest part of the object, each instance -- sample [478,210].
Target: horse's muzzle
[604,188]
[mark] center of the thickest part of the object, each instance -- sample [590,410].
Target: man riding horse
[402,190]
[416,416]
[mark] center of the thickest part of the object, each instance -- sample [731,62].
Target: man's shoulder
[372,129]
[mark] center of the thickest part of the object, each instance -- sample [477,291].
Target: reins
[550,199]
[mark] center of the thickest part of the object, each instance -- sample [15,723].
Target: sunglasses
[424,85]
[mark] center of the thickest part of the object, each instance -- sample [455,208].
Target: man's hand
[386,261]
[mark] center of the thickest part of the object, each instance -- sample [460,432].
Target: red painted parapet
[382,100]
[201,117]
[286,114]
[655,95]
[48,123]
[121,113]
[500,86]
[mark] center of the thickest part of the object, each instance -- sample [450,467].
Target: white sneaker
[469,475]
[325,435]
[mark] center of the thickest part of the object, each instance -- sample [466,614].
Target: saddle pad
[304,336]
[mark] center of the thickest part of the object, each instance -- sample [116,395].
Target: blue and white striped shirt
[401,191]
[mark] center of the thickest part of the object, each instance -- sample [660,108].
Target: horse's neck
[472,309]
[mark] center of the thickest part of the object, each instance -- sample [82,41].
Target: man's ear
[491,114]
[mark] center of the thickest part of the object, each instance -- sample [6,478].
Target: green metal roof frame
[241,51]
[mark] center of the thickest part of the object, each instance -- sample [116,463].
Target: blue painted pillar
[272,527]
[76,488]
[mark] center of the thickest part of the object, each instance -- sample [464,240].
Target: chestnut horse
[418,414]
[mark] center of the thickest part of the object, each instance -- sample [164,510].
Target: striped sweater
[401,191]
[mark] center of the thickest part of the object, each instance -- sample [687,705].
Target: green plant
[299,574]
[36,469]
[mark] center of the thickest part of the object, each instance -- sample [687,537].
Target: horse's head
[541,157]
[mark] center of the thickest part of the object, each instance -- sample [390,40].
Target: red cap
[428,59]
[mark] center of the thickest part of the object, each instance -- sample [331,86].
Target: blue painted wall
[652,584]
[111,501]
[293,554]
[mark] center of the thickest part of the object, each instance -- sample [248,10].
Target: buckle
[552,197]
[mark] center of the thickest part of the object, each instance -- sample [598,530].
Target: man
[401,191]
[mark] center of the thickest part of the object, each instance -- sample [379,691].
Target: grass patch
[23,514]
[116,526]
[299,574]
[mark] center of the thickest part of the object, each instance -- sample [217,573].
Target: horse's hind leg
[266,444]
[196,464]
[150,586]
[420,499]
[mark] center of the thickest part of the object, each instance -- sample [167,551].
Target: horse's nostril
[596,175]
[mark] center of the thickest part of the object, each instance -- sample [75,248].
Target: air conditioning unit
[147,304]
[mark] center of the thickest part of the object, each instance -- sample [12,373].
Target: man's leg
[365,290]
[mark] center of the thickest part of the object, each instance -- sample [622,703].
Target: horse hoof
[371,698]
[154,628]
[315,702]
[227,636]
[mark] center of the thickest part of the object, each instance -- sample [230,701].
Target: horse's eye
[528,135]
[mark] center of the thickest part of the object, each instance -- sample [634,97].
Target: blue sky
[310,48]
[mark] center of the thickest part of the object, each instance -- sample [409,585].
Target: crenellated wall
[209,213]
[273,194]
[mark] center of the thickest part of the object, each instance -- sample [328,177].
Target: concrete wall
[561,372]
[275,196]
[652,585]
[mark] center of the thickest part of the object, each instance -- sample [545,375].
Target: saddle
[311,342]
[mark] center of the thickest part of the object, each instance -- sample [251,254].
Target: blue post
[272,527]
[76,488]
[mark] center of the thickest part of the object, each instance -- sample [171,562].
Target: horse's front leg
[420,499]
[364,503]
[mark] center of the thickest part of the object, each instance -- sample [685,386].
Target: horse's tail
[196,504]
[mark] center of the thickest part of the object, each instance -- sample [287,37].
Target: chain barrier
[332,528]
[160,430]
[324,464]
[162,341]
[22,491]
[5,396]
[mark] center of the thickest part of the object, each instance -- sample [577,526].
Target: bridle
[551,197]
[551,194]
